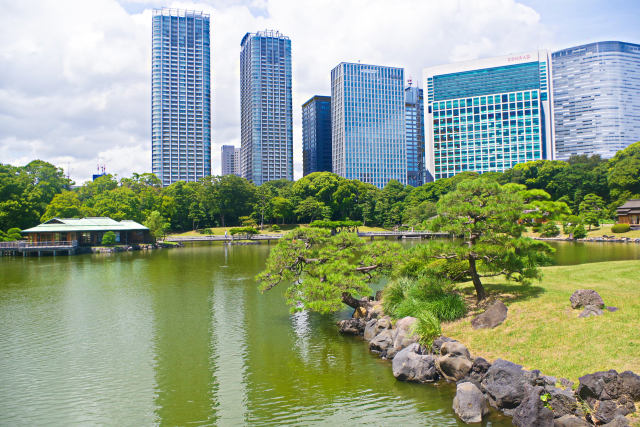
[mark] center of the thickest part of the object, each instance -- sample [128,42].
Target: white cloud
[75,75]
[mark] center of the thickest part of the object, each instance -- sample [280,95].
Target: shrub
[427,327]
[243,230]
[205,231]
[549,229]
[578,231]
[620,228]
[275,227]
[109,238]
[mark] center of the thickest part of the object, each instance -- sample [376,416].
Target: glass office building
[489,115]
[316,135]
[368,123]
[180,95]
[230,160]
[414,114]
[265,107]
[596,98]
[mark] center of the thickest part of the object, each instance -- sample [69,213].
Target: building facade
[489,115]
[230,160]
[265,107]
[316,135]
[596,98]
[180,95]
[414,115]
[368,123]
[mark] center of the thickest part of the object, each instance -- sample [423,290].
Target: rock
[437,343]
[453,368]
[618,422]
[590,310]
[375,310]
[605,411]
[493,316]
[351,326]
[382,342]
[630,384]
[570,421]
[403,336]
[410,365]
[470,404]
[563,402]
[478,369]
[585,297]
[454,348]
[603,385]
[612,309]
[375,326]
[532,412]
[505,384]
[385,323]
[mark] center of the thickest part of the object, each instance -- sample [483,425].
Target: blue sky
[75,74]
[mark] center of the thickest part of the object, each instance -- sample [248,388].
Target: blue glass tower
[265,107]
[596,98]
[414,114]
[180,96]
[368,123]
[489,115]
[316,135]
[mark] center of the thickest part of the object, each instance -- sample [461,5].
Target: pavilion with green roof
[88,231]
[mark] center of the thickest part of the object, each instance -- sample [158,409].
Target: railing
[28,245]
[208,237]
[401,233]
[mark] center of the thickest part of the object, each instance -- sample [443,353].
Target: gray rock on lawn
[410,365]
[532,412]
[570,421]
[493,316]
[470,404]
[455,361]
[591,310]
[505,385]
[585,297]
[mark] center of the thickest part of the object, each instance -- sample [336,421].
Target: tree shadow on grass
[503,291]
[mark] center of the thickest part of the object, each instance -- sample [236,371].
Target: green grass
[543,332]
[604,229]
[218,231]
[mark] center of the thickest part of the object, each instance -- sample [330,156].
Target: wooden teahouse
[629,213]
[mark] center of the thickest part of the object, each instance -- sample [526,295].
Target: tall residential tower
[489,114]
[265,107]
[368,123]
[596,98]
[230,160]
[414,113]
[316,135]
[180,95]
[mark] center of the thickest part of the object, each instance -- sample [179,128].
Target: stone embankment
[529,397]
[127,248]
[608,239]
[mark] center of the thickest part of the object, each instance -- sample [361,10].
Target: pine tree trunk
[352,302]
[480,293]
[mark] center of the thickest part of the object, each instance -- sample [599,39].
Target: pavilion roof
[63,225]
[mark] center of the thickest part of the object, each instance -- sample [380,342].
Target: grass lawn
[267,230]
[604,229]
[543,332]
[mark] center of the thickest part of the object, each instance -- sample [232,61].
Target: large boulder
[437,343]
[563,402]
[532,411]
[585,297]
[455,361]
[591,310]
[505,385]
[470,404]
[374,326]
[570,421]
[478,370]
[605,411]
[382,342]
[630,384]
[602,385]
[403,336]
[618,422]
[455,349]
[493,316]
[351,326]
[410,364]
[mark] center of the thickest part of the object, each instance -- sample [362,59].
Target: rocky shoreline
[127,248]
[529,397]
[607,239]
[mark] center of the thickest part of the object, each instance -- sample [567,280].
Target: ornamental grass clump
[427,327]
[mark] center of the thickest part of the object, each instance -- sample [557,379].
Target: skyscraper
[265,107]
[596,98]
[368,123]
[180,95]
[414,114]
[316,135]
[229,160]
[489,114]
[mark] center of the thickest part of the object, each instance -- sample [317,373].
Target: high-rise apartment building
[316,135]
[596,98]
[489,114]
[180,95]
[414,114]
[265,107]
[230,160]
[368,123]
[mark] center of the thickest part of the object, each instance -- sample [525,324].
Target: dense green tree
[64,205]
[623,175]
[592,209]
[486,216]
[10,235]
[157,225]
[118,204]
[310,209]
[282,208]
[324,271]
[109,238]
[418,215]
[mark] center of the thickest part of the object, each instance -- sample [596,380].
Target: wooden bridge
[32,248]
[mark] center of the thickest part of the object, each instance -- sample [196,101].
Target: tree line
[40,191]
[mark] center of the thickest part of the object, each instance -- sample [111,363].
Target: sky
[75,75]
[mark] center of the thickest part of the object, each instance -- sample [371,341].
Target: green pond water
[183,337]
